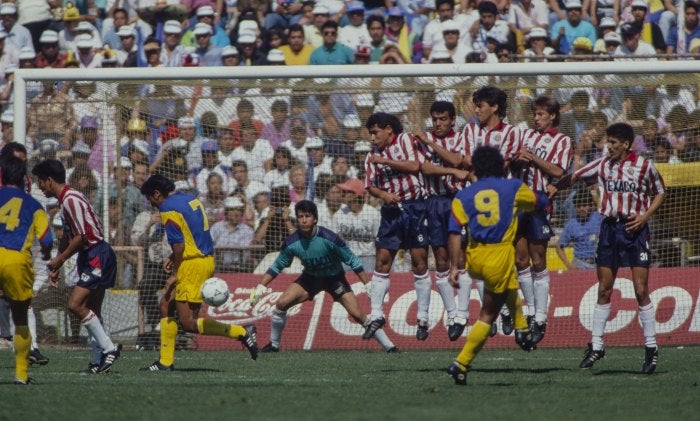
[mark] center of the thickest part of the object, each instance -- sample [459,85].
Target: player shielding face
[545,155]
[626,184]
[22,219]
[488,208]
[322,253]
[96,263]
[190,264]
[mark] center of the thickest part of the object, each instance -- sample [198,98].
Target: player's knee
[189,325]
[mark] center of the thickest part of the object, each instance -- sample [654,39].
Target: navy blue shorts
[619,248]
[534,226]
[335,285]
[97,267]
[439,212]
[403,226]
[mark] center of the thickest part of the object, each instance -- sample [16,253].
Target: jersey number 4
[9,213]
[486,202]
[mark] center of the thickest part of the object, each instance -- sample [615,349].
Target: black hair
[13,170]
[329,24]
[279,105]
[157,183]
[239,163]
[295,28]
[492,96]
[11,148]
[487,162]
[306,206]
[621,131]
[382,120]
[375,18]
[244,104]
[50,168]
[443,106]
[579,98]
[487,7]
[550,105]
[285,152]
[439,3]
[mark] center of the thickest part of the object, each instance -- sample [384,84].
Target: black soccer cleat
[270,348]
[455,327]
[523,338]
[92,368]
[458,374]
[157,366]
[393,350]
[21,382]
[250,341]
[36,357]
[372,327]
[530,322]
[422,330]
[591,356]
[651,357]
[538,330]
[108,360]
[494,330]
[507,324]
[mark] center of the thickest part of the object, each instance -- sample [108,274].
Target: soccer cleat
[250,341]
[591,356]
[524,339]
[422,330]
[507,324]
[92,368]
[157,366]
[372,327]
[270,348]
[538,330]
[651,357]
[22,382]
[530,322]
[494,330]
[393,350]
[108,360]
[36,357]
[456,328]
[458,374]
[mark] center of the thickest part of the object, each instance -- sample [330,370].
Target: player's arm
[429,168]
[549,168]
[640,220]
[283,260]
[452,158]
[408,167]
[175,258]
[386,196]
[71,247]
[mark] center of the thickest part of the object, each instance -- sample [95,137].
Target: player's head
[13,171]
[14,149]
[157,188]
[51,176]
[442,114]
[493,97]
[307,217]
[620,136]
[383,127]
[548,108]
[487,162]
[306,206]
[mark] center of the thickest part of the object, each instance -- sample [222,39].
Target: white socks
[528,288]
[277,322]
[96,330]
[646,317]
[380,285]
[464,294]
[541,284]
[383,340]
[601,312]
[447,293]
[480,289]
[31,322]
[422,285]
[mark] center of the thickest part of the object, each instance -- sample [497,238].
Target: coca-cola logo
[237,308]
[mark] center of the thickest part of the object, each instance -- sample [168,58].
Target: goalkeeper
[321,252]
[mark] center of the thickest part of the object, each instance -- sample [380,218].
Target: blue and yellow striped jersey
[185,221]
[489,206]
[21,219]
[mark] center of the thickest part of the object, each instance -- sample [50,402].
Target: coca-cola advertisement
[323,324]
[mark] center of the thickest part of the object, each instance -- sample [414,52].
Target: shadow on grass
[620,373]
[479,370]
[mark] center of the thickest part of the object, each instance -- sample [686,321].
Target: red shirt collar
[63,193]
[498,126]
[552,132]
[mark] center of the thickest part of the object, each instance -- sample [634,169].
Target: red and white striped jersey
[442,184]
[552,146]
[504,137]
[406,186]
[79,217]
[625,187]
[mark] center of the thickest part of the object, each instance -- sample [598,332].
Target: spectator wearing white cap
[49,54]
[85,53]
[232,232]
[537,39]
[219,37]
[451,34]
[432,33]
[127,53]
[296,52]
[199,176]
[250,54]
[611,41]
[80,153]
[606,26]
[312,31]
[230,56]
[9,54]
[632,44]
[73,28]
[275,57]
[323,164]
[401,34]
[171,55]
[209,54]
[35,15]
[187,140]
[489,25]
[355,33]
[525,15]
[649,31]
[17,35]
[564,32]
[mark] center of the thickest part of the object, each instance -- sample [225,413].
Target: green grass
[504,384]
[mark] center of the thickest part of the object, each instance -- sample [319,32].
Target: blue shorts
[97,267]
[335,285]
[439,212]
[619,248]
[534,226]
[403,226]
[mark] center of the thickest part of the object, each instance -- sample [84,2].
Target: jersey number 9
[486,202]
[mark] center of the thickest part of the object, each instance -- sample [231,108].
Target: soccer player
[393,175]
[545,154]
[321,252]
[442,178]
[190,264]
[488,208]
[489,129]
[626,184]
[97,263]
[22,218]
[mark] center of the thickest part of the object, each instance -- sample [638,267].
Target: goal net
[251,142]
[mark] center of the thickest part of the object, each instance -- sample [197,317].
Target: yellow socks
[168,332]
[515,306]
[23,342]
[213,328]
[475,341]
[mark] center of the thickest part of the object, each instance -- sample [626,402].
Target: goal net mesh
[270,142]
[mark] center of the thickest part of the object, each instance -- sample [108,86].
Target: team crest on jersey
[497,137]
[547,139]
[630,170]
[394,150]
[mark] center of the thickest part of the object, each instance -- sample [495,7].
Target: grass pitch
[357,385]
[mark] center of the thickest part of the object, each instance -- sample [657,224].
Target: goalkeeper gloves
[257,293]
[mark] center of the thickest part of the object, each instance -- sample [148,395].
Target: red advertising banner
[322,324]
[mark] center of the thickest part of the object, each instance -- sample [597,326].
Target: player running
[322,253]
[545,154]
[22,219]
[488,208]
[626,184]
[190,264]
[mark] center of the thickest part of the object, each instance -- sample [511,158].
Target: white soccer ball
[215,291]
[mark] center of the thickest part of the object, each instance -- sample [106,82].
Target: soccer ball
[215,291]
